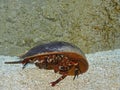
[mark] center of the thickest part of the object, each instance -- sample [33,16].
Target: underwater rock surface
[92,25]
[103,74]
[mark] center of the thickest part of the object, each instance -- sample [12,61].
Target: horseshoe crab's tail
[14,62]
[18,62]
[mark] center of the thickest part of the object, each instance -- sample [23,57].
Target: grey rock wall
[92,25]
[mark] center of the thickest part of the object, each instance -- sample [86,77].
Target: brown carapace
[62,57]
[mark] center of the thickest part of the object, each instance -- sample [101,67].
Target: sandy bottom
[103,74]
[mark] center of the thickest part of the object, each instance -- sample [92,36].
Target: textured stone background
[92,25]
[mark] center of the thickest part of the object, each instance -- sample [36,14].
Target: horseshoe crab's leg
[58,80]
[77,70]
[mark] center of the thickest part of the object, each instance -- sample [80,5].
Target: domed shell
[60,47]
[56,46]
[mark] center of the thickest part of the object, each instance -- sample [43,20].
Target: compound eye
[63,68]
